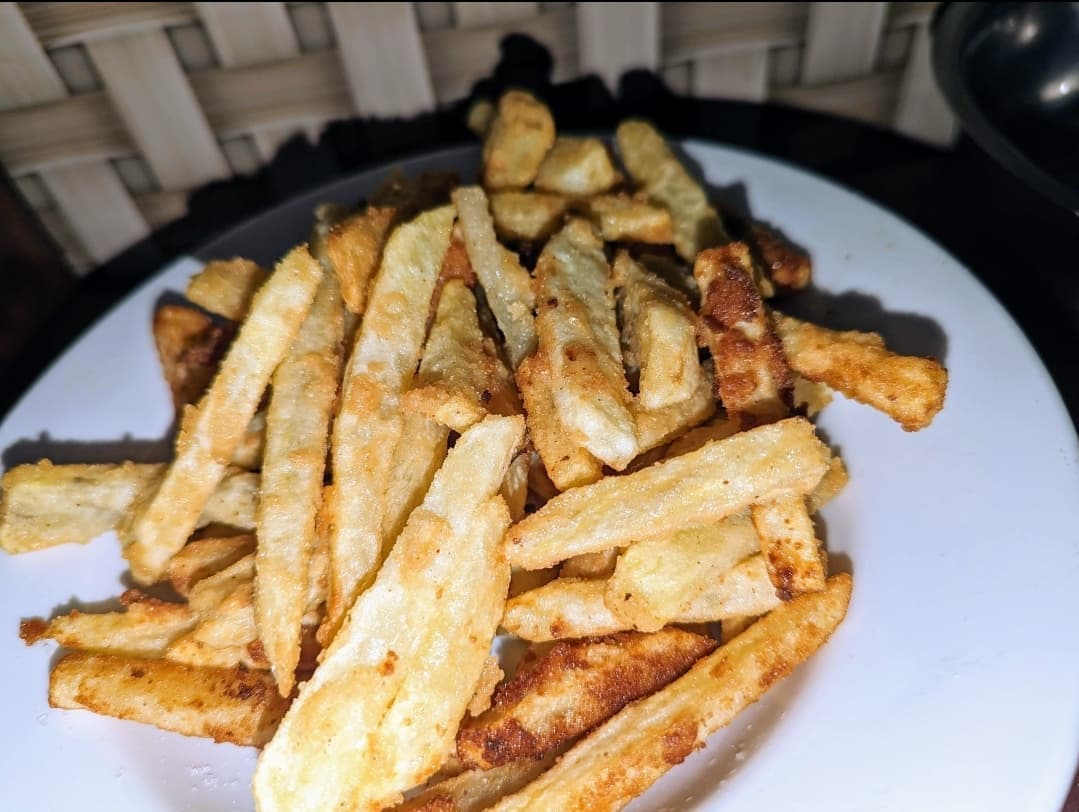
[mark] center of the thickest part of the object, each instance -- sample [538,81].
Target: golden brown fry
[567,463]
[627,754]
[158,527]
[810,397]
[327,215]
[411,649]
[908,389]
[461,377]
[658,426]
[354,248]
[420,452]
[507,285]
[227,705]
[744,590]
[144,629]
[719,428]
[693,490]
[297,437]
[42,504]
[834,480]
[788,267]
[369,422]
[203,557]
[790,547]
[189,346]
[590,565]
[481,115]
[227,287]
[528,216]
[248,454]
[490,676]
[621,218]
[577,167]
[476,790]
[571,689]
[752,377]
[225,635]
[578,335]
[519,139]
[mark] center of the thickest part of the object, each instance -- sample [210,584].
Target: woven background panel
[110,113]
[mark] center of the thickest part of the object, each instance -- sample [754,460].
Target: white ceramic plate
[953,684]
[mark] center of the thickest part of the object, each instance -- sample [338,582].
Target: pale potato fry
[420,452]
[719,428]
[527,580]
[624,219]
[327,215]
[789,545]
[248,454]
[693,490]
[476,790]
[527,216]
[490,676]
[354,248]
[577,167]
[225,636]
[227,287]
[573,688]
[578,335]
[744,590]
[567,463]
[834,480]
[203,557]
[590,565]
[158,527]
[145,628]
[369,422]
[515,485]
[519,139]
[810,397]
[659,335]
[627,754]
[908,389]
[42,505]
[302,399]
[507,285]
[461,377]
[227,705]
[656,581]
[753,379]
[189,346]
[412,648]
[210,592]
[655,427]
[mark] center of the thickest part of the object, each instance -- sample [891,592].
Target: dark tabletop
[1024,248]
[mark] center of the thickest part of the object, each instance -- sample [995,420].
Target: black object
[1011,73]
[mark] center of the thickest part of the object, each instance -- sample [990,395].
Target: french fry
[515,485]
[590,565]
[696,489]
[834,480]
[790,547]
[567,463]
[297,435]
[157,528]
[189,346]
[248,454]
[327,215]
[788,267]
[520,137]
[227,705]
[42,504]
[461,378]
[379,678]
[810,397]
[209,593]
[752,377]
[577,167]
[508,286]
[623,219]
[227,287]
[908,389]
[490,676]
[578,335]
[353,249]
[145,628]
[719,428]
[369,422]
[655,427]
[476,790]
[527,216]
[659,335]
[656,581]
[573,688]
[225,637]
[481,115]
[420,452]
[202,558]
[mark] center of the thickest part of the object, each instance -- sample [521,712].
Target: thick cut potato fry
[577,167]
[476,790]
[369,421]
[519,139]
[226,705]
[42,505]
[507,285]
[567,463]
[297,438]
[659,335]
[810,397]
[578,335]
[573,688]
[719,428]
[354,247]
[752,377]
[834,480]
[655,427]
[627,754]
[144,629]
[189,346]
[225,636]
[908,389]
[527,216]
[417,458]
[796,562]
[490,676]
[203,557]
[461,377]
[515,485]
[590,565]
[656,581]
[226,287]
[693,490]
[158,527]
[788,267]
[397,679]
[623,219]
[210,592]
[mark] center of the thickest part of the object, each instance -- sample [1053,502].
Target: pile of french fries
[404,439]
